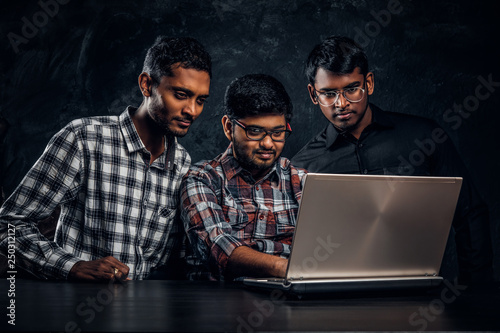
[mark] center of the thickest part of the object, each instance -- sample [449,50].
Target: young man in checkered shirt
[239,209]
[116,179]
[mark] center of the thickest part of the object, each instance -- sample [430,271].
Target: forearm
[34,252]
[245,261]
[55,178]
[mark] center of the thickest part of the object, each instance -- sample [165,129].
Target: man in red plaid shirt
[239,209]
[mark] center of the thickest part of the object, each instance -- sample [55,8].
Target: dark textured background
[85,61]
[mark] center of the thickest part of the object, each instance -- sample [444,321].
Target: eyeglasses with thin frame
[328,98]
[256,133]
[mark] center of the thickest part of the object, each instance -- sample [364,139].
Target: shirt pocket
[161,225]
[285,221]
[237,218]
[166,213]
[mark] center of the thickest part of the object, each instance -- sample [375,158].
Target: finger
[124,269]
[105,273]
[118,264]
[96,273]
[121,277]
[105,270]
[112,261]
[121,273]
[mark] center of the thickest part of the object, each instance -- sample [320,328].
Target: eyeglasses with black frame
[257,133]
[328,98]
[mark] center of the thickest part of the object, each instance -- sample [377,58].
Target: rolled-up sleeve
[204,220]
[52,180]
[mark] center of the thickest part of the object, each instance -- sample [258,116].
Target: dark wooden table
[180,306]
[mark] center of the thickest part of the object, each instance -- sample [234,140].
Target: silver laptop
[365,232]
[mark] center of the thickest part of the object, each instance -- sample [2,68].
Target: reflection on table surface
[176,306]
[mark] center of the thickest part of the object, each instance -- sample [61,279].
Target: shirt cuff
[222,248]
[59,265]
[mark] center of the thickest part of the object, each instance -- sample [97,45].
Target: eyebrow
[274,128]
[188,92]
[350,85]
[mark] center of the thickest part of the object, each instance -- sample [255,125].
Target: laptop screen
[372,226]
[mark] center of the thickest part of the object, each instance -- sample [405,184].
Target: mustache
[342,111]
[263,151]
[185,119]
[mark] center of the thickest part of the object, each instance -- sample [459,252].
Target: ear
[145,84]
[227,125]
[370,82]
[312,94]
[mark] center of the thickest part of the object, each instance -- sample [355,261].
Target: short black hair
[256,94]
[337,54]
[167,51]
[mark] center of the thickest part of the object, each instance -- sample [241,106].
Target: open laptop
[368,232]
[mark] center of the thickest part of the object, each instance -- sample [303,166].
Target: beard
[348,125]
[157,112]
[250,162]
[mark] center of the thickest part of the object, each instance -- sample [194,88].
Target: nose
[341,101]
[192,108]
[267,142]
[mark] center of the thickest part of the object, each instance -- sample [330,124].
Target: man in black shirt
[361,138]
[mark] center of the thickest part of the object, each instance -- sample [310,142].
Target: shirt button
[365,171]
[360,145]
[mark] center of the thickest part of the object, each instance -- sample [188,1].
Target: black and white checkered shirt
[113,202]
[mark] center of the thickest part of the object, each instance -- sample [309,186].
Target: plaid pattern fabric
[113,202]
[223,208]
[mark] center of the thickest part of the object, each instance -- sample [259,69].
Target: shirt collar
[132,139]
[232,167]
[134,142]
[379,118]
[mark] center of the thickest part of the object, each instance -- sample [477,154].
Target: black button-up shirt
[400,144]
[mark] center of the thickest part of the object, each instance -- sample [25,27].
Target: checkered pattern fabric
[223,208]
[113,202]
